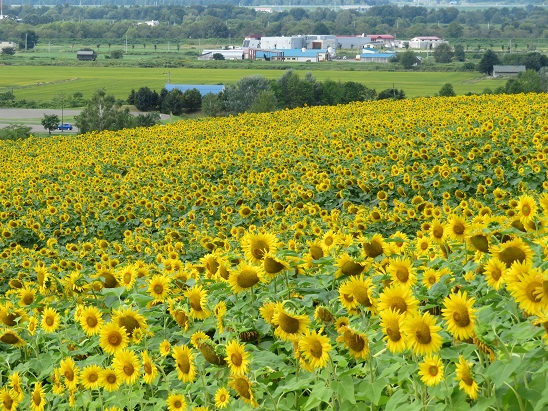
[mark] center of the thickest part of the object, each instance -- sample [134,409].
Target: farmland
[365,256]
[47,82]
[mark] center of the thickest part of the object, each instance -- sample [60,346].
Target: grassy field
[44,83]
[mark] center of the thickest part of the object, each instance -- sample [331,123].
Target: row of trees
[532,61]
[224,21]
[173,102]
[258,94]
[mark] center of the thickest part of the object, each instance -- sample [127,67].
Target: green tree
[173,103]
[50,122]
[192,100]
[28,40]
[264,102]
[15,132]
[218,56]
[447,90]
[103,112]
[239,98]
[488,60]
[454,30]
[391,93]
[145,99]
[148,119]
[443,53]
[8,51]
[116,54]
[459,52]
[212,105]
[408,59]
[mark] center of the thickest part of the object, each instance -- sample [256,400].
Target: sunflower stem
[100,398]
[287,285]
[202,376]
[449,396]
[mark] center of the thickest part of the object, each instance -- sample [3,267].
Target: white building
[352,42]
[233,54]
[6,44]
[311,41]
[425,42]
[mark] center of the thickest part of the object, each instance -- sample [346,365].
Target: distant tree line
[111,22]
[257,94]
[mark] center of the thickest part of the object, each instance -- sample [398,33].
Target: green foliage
[488,60]
[116,54]
[218,56]
[8,51]
[264,102]
[192,100]
[50,122]
[148,119]
[528,81]
[212,105]
[7,99]
[103,112]
[15,132]
[459,52]
[145,99]
[172,102]
[447,90]
[443,53]
[408,59]
[391,93]
[240,97]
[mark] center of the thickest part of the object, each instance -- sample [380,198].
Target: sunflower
[257,246]
[346,265]
[341,323]
[421,334]
[12,338]
[126,276]
[357,291]
[391,323]
[430,276]
[272,265]
[211,264]
[423,245]
[198,301]
[176,402]
[31,325]
[237,358]
[495,273]
[402,271]
[130,320]
[181,317]
[26,295]
[323,314]
[242,385]
[16,385]
[184,360]
[220,310]
[126,365]
[113,338]
[527,209]
[149,369]
[456,228]
[289,326]
[267,311]
[431,370]
[531,291]
[222,398]
[374,247]
[38,398]
[243,277]
[466,379]
[512,251]
[438,231]
[399,298]
[90,376]
[68,369]
[198,337]
[459,315]
[399,243]
[159,287]
[315,348]
[109,380]
[357,343]
[51,320]
[329,240]
[165,348]
[8,399]
[91,320]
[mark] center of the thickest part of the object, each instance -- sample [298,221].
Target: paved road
[22,115]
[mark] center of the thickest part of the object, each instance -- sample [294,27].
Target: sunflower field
[360,257]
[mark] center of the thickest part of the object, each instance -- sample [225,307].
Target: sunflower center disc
[184,364]
[393,334]
[91,321]
[361,294]
[511,254]
[69,375]
[247,278]
[423,334]
[158,289]
[316,349]
[288,324]
[236,359]
[467,378]
[148,368]
[242,387]
[352,268]
[458,229]
[433,370]
[316,252]
[93,378]
[36,398]
[354,341]
[128,369]
[129,323]
[50,321]
[399,304]
[461,317]
[532,291]
[402,274]
[259,248]
[111,378]
[271,266]
[9,339]
[114,339]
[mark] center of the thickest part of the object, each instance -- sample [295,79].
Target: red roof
[381,36]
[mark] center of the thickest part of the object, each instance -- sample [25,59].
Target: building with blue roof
[375,57]
[202,88]
[297,55]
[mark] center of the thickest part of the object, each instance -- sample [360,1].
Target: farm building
[511,71]
[352,42]
[202,88]
[86,55]
[425,42]
[311,41]
[294,55]
[386,40]
[371,57]
[6,44]
[234,54]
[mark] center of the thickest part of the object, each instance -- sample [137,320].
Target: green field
[45,83]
